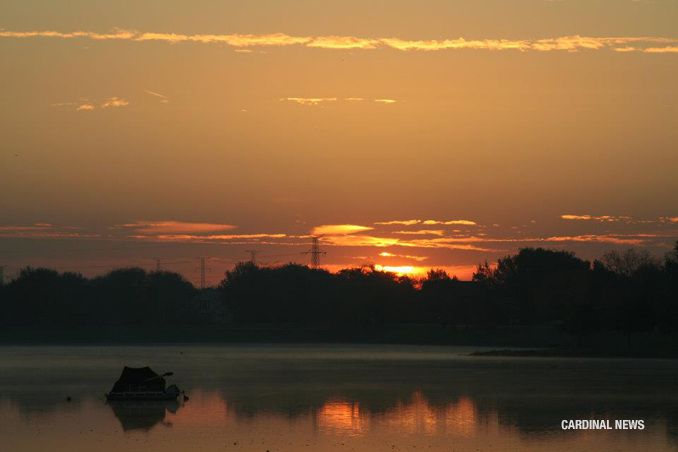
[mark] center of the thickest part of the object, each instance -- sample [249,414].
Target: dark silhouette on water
[142,383]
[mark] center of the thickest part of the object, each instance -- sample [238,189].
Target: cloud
[85,107]
[44,231]
[235,40]
[49,235]
[35,227]
[575,43]
[592,238]
[603,218]
[670,49]
[174,227]
[385,101]
[381,242]
[210,238]
[164,99]
[451,222]
[339,229]
[309,100]
[399,222]
[421,232]
[354,99]
[114,102]
[342,42]
[406,256]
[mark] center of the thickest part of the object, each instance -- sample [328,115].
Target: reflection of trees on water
[463,397]
[142,415]
[528,396]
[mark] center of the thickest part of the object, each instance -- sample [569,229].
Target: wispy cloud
[339,229]
[89,105]
[385,101]
[399,222]
[114,102]
[362,240]
[44,231]
[406,256]
[164,99]
[210,238]
[174,227]
[451,222]
[575,43]
[421,232]
[310,101]
[35,227]
[602,218]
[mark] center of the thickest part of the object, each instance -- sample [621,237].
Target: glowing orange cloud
[421,232]
[115,102]
[339,229]
[174,227]
[309,100]
[45,231]
[188,237]
[574,43]
[399,222]
[603,218]
[381,242]
[451,222]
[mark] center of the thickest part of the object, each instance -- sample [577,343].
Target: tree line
[628,291]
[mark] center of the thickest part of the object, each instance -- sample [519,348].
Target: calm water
[317,398]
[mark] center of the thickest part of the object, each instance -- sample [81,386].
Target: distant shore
[537,342]
[661,353]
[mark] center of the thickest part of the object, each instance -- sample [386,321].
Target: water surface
[332,398]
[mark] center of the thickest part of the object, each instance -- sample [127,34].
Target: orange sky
[412,134]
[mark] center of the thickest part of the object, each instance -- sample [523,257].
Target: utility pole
[253,256]
[202,269]
[315,252]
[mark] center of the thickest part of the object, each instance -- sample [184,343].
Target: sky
[409,134]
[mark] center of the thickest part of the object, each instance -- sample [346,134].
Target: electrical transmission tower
[158,267]
[315,252]
[253,256]
[202,269]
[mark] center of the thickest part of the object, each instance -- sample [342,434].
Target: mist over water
[322,398]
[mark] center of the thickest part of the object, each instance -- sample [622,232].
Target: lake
[332,398]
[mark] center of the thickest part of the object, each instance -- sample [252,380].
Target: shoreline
[519,342]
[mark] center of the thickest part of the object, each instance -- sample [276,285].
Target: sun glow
[405,270]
